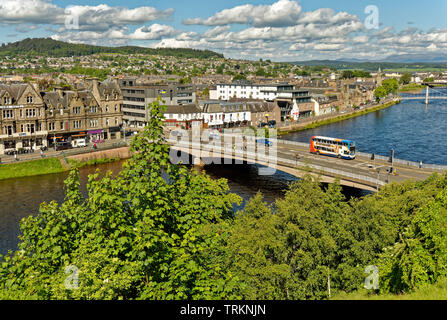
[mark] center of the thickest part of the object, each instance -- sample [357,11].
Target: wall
[122,153]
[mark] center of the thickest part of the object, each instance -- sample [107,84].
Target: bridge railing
[377,156]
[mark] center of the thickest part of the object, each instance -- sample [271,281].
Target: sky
[280,30]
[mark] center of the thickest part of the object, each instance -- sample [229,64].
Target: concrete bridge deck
[295,158]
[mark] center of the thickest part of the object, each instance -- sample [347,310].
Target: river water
[414,131]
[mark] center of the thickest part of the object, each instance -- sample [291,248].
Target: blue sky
[282,30]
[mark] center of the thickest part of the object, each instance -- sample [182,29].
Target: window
[8,114]
[116,121]
[29,99]
[107,121]
[29,113]
[62,125]
[77,124]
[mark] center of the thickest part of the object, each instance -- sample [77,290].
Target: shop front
[96,136]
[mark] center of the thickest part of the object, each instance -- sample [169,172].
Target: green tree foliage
[54,48]
[391,85]
[380,93]
[420,256]
[239,77]
[148,233]
[405,78]
[315,239]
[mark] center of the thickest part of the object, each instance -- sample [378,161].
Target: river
[414,131]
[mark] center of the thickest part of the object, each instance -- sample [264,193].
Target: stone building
[22,118]
[31,120]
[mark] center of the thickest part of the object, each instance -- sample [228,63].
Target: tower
[379,77]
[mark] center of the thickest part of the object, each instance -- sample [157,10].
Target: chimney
[59,90]
[94,82]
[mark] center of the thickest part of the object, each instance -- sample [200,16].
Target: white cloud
[281,13]
[93,18]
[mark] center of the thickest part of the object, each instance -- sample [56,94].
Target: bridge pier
[426,96]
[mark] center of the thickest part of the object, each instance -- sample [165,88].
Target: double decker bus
[342,149]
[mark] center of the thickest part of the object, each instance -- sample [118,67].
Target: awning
[96,132]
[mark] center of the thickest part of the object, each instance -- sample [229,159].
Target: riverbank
[336,118]
[31,168]
[61,164]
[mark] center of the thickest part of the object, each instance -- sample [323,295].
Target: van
[78,143]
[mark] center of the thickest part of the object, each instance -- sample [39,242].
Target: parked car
[214,136]
[267,142]
[63,145]
[176,133]
[272,123]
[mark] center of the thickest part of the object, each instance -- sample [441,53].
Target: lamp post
[378,178]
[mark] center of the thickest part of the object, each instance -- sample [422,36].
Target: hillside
[54,48]
[374,66]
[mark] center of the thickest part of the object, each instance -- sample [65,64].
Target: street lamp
[378,178]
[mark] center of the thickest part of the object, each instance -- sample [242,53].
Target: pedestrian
[420,164]
[41,153]
[15,156]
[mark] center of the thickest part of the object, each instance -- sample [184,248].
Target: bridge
[366,172]
[430,94]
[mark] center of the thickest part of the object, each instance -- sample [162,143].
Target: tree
[253,253]
[239,77]
[380,93]
[420,256]
[148,233]
[405,78]
[347,74]
[391,85]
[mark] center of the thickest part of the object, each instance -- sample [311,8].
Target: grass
[437,291]
[319,123]
[30,168]
[411,87]
[94,162]
[44,166]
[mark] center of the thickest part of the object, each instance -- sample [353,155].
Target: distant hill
[374,66]
[54,48]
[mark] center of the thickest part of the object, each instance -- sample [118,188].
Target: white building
[246,90]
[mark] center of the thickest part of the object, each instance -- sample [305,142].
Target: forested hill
[54,48]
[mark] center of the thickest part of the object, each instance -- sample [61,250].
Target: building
[183,116]
[248,90]
[295,104]
[22,118]
[110,98]
[137,98]
[30,119]
[263,112]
